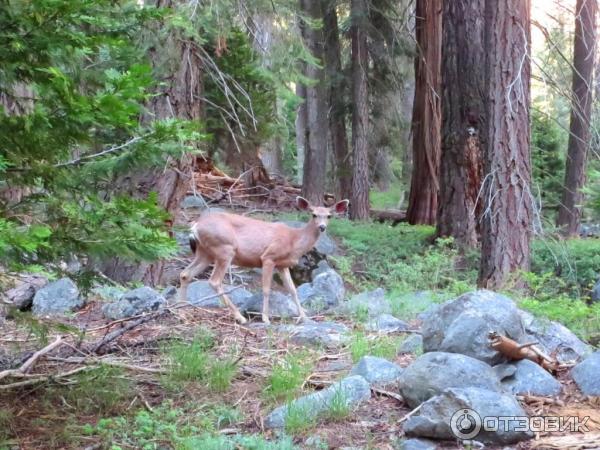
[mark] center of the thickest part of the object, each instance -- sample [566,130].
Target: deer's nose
[322,227]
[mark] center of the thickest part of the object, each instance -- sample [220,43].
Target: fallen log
[388,215]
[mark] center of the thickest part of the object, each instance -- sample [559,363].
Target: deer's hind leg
[289,285]
[216,282]
[197,266]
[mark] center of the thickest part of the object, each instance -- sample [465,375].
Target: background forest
[465,133]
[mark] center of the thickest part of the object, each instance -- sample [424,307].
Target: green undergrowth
[194,362]
[287,376]
[194,426]
[417,271]
[381,346]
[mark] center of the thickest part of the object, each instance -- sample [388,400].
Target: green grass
[298,420]
[193,362]
[388,199]
[381,346]
[338,408]
[189,427]
[221,373]
[287,376]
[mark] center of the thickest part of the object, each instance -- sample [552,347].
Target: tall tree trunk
[301,120]
[315,154]
[569,212]
[508,202]
[359,206]
[337,94]
[178,98]
[426,125]
[463,126]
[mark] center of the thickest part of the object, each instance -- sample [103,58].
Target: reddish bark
[426,124]
[508,206]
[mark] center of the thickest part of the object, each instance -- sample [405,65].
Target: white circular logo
[465,424]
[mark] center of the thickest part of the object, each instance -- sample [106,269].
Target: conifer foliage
[73,86]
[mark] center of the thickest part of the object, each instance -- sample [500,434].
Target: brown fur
[223,239]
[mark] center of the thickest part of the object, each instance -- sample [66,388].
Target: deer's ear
[341,206]
[302,203]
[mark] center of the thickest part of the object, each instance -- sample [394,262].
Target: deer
[223,239]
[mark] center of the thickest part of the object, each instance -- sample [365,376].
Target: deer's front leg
[267,277]
[289,285]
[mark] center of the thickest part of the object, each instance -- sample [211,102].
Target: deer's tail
[193,242]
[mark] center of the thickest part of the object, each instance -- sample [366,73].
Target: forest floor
[190,378]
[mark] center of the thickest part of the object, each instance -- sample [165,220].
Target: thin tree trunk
[426,126]
[301,120]
[337,93]
[569,212]
[508,203]
[359,206]
[315,155]
[463,126]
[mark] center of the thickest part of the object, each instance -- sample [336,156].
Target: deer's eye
[329,216]
[315,216]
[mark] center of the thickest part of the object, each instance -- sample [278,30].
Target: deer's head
[321,214]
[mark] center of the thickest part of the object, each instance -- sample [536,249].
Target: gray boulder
[200,293]
[371,303]
[462,325]
[324,292]
[377,370]
[386,323]
[432,373]
[324,334]
[554,338]
[587,375]
[132,303]
[280,305]
[57,298]
[438,415]
[529,378]
[418,444]
[595,294]
[353,390]
[322,266]
[108,293]
[193,201]
[170,292]
[412,344]
[21,296]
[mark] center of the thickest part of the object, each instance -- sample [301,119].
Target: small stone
[530,378]
[353,390]
[326,334]
[587,375]
[412,344]
[377,370]
[134,302]
[386,323]
[56,298]
[193,201]
[21,296]
[200,293]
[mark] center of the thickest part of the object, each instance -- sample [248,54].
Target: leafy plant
[287,376]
